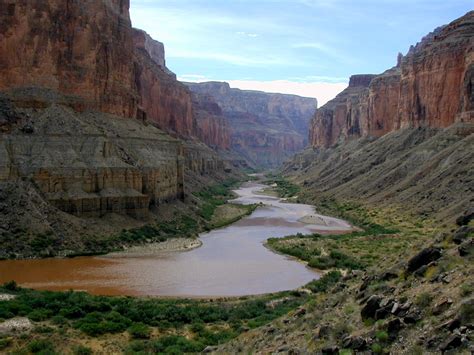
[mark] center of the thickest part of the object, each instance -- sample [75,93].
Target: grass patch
[202,323]
[283,187]
[214,196]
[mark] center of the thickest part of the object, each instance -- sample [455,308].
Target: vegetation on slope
[79,321]
[412,295]
[282,186]
[214,198]
[180,221]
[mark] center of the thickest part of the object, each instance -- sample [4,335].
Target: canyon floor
[374,296]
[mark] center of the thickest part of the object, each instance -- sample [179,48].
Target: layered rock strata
[89,164]
[265,128]
[87,52]
[211,125]
[83,96]
[431,86]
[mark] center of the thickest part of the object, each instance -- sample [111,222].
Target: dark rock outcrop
[424,257]
[462,234]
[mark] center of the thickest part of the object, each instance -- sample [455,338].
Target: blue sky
[306,47]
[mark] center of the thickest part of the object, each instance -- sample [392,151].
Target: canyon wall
[84,101]
[431,86]
[265,128]
[81,49]
[87,52]
[89,164]
[211,125]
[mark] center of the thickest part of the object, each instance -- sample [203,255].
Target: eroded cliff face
[87,52]
[83,97]
[89,164]
[265,128]
[432,86]
[163,100]
[210,124]
[82,49]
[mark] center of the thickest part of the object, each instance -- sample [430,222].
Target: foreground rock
[15,325]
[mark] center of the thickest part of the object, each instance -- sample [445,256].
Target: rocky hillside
[403,138]
[92,122]
[393,154]
[265,128]
[431,86]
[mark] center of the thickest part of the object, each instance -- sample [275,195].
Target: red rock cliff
[265,128]
[432,86]
[79,48]
[211,126]
[88,51]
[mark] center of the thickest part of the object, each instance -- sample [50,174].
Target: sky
[304,47]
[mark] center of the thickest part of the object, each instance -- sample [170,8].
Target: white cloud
[246,34]
[234,59]
[193,78]
[323,91]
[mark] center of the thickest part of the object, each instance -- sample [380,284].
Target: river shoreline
[229,261]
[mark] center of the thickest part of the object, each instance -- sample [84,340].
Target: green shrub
[335,259]
[382,336]
[424,300]
[39,315]
[139,331]
[322,263]
[377,348]
[466,312]
[10,286]
[176,344]
[5,343]
[466,289]
[324,283]
[42,346]
[59,320]
[81,350]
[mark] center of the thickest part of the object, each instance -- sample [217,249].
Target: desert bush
[424,300]
[139,331]
[42,346]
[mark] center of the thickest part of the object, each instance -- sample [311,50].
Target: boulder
[452,342]
[354,342]
[330,350]
[393,327]
[465,218]
[466,248]
[424,257]
[442,306]
[462,234]
[371,307]
[412,317]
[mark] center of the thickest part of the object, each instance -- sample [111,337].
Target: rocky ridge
[92,122]
[431,86]
[265,128]
[95,60]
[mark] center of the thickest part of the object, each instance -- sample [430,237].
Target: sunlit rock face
[432,86]
[265,128]
[83,97]
[211,125]
[82,49]
[89,53]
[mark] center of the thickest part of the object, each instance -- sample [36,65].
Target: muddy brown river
[232,261]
